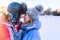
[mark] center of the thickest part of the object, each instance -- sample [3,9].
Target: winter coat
[5,31]
[30,31]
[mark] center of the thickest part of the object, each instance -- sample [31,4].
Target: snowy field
[50,27]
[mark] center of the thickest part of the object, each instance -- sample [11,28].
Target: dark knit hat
[15,9]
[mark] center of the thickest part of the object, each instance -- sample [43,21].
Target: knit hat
[39,8]
[24,7]
[33,13]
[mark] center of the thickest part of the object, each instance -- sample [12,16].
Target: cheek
[27,19]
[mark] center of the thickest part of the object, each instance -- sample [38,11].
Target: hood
[35,25]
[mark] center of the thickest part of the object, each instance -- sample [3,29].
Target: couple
[30,22]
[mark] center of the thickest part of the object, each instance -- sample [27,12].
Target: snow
[50,27]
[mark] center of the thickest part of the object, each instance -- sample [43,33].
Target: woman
[31,26]
[4,30]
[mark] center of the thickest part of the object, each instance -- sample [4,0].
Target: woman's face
[27,19]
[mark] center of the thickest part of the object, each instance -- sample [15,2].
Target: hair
[4,12]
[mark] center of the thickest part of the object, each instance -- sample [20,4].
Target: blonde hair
[3,12]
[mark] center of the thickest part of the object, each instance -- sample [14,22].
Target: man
[17,13]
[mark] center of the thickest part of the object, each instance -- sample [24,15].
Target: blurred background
[49,16]
[49,6]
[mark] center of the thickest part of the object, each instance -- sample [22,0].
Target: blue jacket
[29,31]
[32,31]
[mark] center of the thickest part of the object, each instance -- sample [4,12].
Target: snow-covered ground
[50,27]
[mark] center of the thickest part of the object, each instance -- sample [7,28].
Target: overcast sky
[54,4]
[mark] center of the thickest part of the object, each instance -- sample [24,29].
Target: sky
[54,4]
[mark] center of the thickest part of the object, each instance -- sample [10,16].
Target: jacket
[30,31]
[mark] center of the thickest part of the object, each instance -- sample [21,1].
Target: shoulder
[32,35]
[4,32]
[33,32]
[37,24]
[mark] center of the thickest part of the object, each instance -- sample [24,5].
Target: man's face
[26,17]
[22,18]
